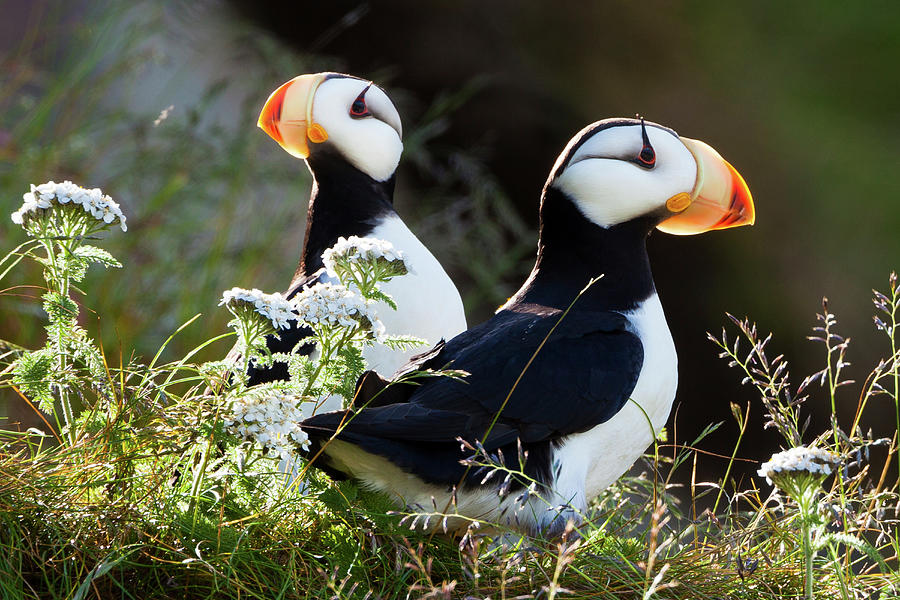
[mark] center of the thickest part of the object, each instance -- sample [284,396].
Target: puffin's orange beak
[287,115]
[720,198]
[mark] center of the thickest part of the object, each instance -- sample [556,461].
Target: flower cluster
[351,257]
[273,421]
[799,472]
[274,307]
[801,459]
[43,197]
[335,305]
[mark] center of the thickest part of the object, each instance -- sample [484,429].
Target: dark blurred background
[157,102]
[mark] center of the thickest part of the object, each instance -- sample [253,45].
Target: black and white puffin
[583,391]
[349,134]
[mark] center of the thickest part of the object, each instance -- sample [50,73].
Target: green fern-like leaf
[216,372]
[402,342]
[85,352]
[856,543]
[301,370]
[96,255]
[351,366]
[377,294]
[61,309]
[77,268]
[32,375]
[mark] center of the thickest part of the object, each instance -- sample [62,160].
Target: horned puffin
[349,134]
[582,383]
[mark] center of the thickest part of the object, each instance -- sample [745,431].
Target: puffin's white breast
[592,460]
[428,304]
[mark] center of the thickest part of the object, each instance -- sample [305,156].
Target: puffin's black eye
[358,108]
[647,157]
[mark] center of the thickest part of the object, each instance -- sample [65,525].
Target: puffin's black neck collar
[344,202]
[572,249]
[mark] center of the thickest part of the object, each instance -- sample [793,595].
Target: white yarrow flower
[335,305]
[45,196]
[349,254]
[799,471]
[800,459]
[273,421]
[274,307]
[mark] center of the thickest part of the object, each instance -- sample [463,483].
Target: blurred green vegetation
[190,187]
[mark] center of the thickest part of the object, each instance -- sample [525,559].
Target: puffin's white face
[619,169]
[350,115]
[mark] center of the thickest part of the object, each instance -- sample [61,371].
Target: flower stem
[199,476]
[249,334]
[838,569]
[58,281]
[327,350]
[807,556]
[896,369]
[200,472]
[810,528]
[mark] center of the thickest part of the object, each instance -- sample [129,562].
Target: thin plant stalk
[200,472]
[838,570]
[833,383]
[806,501]
[807,552]
[737,445]
[896,371]
[59,279]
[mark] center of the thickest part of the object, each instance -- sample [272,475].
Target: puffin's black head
[336,112]
[617,170]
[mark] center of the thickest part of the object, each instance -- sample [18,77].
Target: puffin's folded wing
[542,384]
[549,401]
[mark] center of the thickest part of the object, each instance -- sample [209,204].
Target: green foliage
[33,376]
[62,310]
[93,254]
[339,320]
[345,370]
